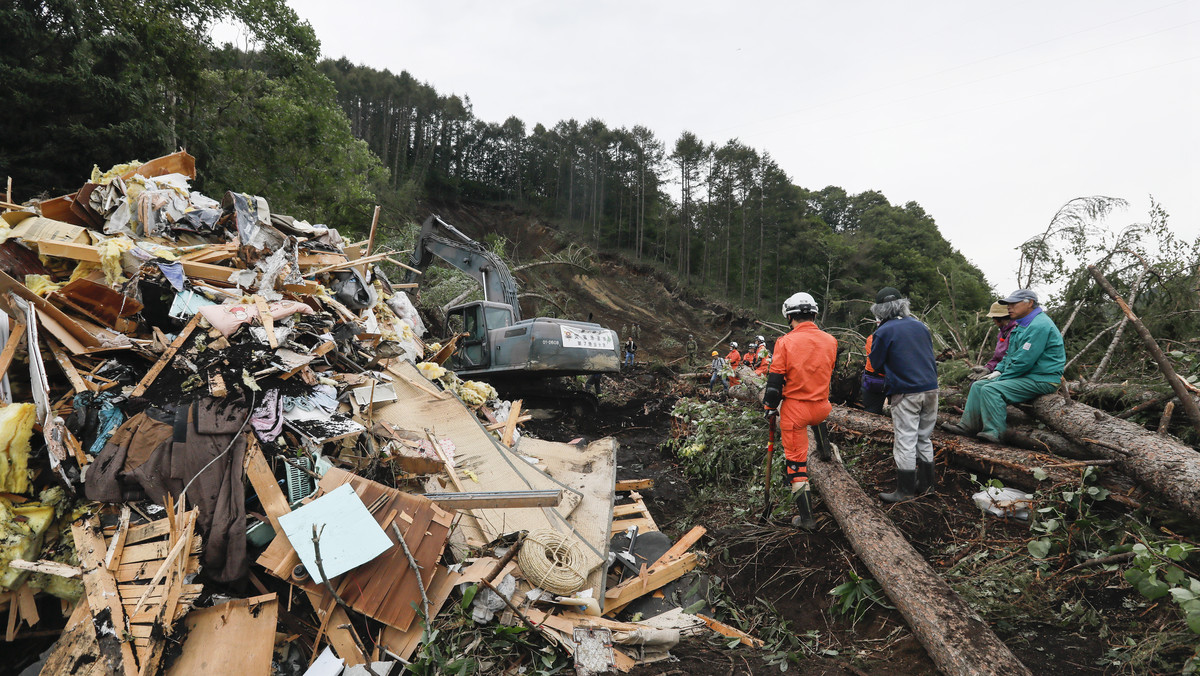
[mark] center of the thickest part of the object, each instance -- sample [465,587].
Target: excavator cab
[475,320]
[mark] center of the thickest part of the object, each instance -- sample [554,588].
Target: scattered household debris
[178,348]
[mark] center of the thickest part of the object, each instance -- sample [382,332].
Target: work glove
[991,376]
[771,413]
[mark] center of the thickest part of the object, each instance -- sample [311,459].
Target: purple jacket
[1001,346]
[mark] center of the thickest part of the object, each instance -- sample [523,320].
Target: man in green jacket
[1033,366]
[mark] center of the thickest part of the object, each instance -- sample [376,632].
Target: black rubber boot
[804,518]
[822,434]
[906,485]
[926,477]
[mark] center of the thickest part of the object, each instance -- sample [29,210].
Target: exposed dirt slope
[619,292]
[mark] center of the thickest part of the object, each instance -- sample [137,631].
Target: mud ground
[793,571]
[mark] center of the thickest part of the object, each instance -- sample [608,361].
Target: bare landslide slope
[619,292]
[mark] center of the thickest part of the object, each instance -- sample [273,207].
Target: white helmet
[761,339]
[733,344]
[801,303]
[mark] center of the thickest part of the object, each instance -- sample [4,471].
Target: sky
[989,115]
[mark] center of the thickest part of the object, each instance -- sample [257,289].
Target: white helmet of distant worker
[799,303]
[761,340]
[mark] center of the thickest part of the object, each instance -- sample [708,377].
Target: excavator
[496,344]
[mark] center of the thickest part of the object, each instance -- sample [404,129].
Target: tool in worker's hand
[772,416]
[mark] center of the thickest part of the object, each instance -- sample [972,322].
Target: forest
[103,83]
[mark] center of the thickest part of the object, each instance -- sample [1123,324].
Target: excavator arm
[439,238]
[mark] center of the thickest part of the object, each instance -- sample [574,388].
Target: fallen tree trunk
[1013,466]
[956,638]
[1159,462]
[1164,364]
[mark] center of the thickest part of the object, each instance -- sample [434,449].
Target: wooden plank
[338,629]
[167,356]
[684,543]
[660,574]
[630,509]
[58,322]
[16,336]
[143,531]
[492,427]
[236,637]
[644,526]
[633,485]
[403,644]
[497,500]
[146,570]
[64,362]
[151,551]
[86,252]
[132,593]
[267,320]
[103,597]
[510,426]
[732,632]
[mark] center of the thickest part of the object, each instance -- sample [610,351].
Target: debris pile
[225,448]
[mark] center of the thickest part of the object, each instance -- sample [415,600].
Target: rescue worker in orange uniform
[764,357]
[798,393]
[871,383]
[735,359]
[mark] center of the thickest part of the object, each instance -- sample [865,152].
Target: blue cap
[1020,295]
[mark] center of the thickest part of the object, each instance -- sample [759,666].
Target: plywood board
[591,471]
[236,637]
[497,468]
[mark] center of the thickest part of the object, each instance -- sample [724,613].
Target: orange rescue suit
[867,351]
[805,357]
[734,358]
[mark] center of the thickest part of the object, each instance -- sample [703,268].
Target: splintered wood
[136,599]
[632,514]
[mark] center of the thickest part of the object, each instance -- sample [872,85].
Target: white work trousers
[913,417]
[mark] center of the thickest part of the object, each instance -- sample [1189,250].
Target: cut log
[956,638]
[1160,462]
[1013,466]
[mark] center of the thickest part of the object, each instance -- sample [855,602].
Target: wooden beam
[659,575]
[510,425]
[633,485]
[496,500]
[16,336]
[64,362]
[732,632]
[167,356]
[91,254]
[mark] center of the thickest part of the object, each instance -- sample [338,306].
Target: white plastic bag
[1008,502]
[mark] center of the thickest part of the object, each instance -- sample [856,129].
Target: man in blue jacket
[902,350]
[1032,366]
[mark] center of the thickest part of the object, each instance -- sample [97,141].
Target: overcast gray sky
[991,116]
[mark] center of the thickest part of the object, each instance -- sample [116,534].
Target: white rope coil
[553,561]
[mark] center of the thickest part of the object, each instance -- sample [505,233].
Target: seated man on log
[902,349]
[1032,366]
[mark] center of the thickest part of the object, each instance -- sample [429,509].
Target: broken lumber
[956,638]
[1160,462]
